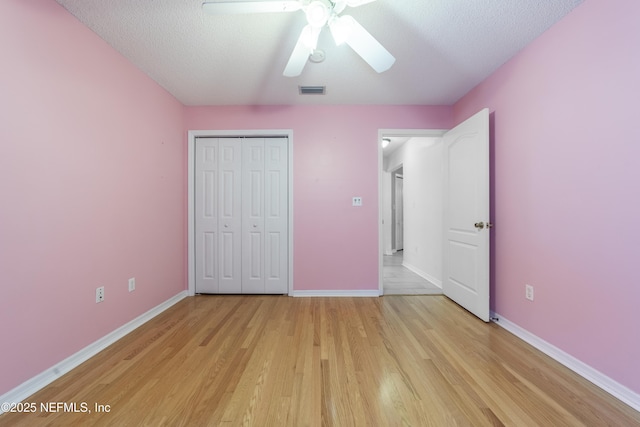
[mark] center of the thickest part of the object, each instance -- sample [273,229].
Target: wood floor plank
[280,361]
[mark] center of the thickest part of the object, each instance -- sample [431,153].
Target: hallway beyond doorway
[399,280]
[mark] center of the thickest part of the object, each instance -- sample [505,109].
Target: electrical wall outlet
[100,294]
[357,201]
[132,284]
[528,292]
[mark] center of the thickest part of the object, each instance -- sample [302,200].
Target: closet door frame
[269,133]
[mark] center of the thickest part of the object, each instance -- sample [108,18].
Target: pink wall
[335,158]
[566,156]
[93,170]
[92,189]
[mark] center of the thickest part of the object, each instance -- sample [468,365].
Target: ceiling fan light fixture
[318,13]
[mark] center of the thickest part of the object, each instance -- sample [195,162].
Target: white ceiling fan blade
[239,7]
[339,6]
[367,46]
[306,44]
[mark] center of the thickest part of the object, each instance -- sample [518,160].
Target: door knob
[479,225]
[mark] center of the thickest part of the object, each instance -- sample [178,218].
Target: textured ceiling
[443,48]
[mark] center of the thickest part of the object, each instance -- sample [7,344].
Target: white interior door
[276,260]
[230,216]
[466,214]
[206,215]
[399,203]
[253,216]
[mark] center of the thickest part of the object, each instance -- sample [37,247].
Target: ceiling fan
[319,13]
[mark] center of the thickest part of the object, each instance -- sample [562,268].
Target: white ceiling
[443,48]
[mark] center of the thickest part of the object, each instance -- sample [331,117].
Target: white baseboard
[45,378]
[423,274]
[353,293]
[609,385]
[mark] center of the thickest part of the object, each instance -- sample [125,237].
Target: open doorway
[411,212]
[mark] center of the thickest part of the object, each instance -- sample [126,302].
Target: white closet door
[276,233]
[253,216]
[241,223]
[230,216]
[206,215]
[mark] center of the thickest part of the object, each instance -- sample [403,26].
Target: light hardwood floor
[399,280]
[282,361]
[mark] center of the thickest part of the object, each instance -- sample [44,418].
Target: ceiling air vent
[312,90]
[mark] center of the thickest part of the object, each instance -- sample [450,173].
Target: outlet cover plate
[100,294]
[528,292]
